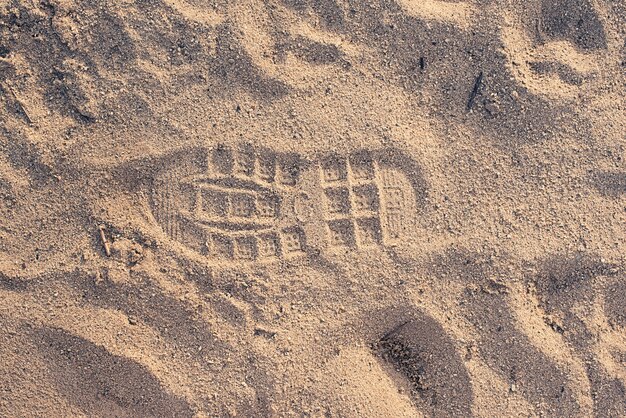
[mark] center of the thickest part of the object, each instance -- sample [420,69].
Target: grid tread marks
[232,206]
[369,200]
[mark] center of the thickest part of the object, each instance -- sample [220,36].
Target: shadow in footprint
[565,73]
[573,20]
[501,344]
[12,284]
[418,347]
[145,301]
[507,350]
[104,384]
[614,303]
[610,183]
[608,394]
[565,283]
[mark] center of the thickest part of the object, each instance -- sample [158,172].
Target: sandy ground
[312,208]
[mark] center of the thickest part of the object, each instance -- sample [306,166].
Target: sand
[322,208]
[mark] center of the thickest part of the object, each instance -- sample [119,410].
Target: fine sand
[312,208]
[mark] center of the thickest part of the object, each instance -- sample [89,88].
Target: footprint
[418,347]
[558,48]
[501,341]
[570,287]
[575,21]
[246,204]
[100,383]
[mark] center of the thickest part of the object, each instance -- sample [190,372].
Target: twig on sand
[105,242]
[19,105]
[394,330]
[474,92]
